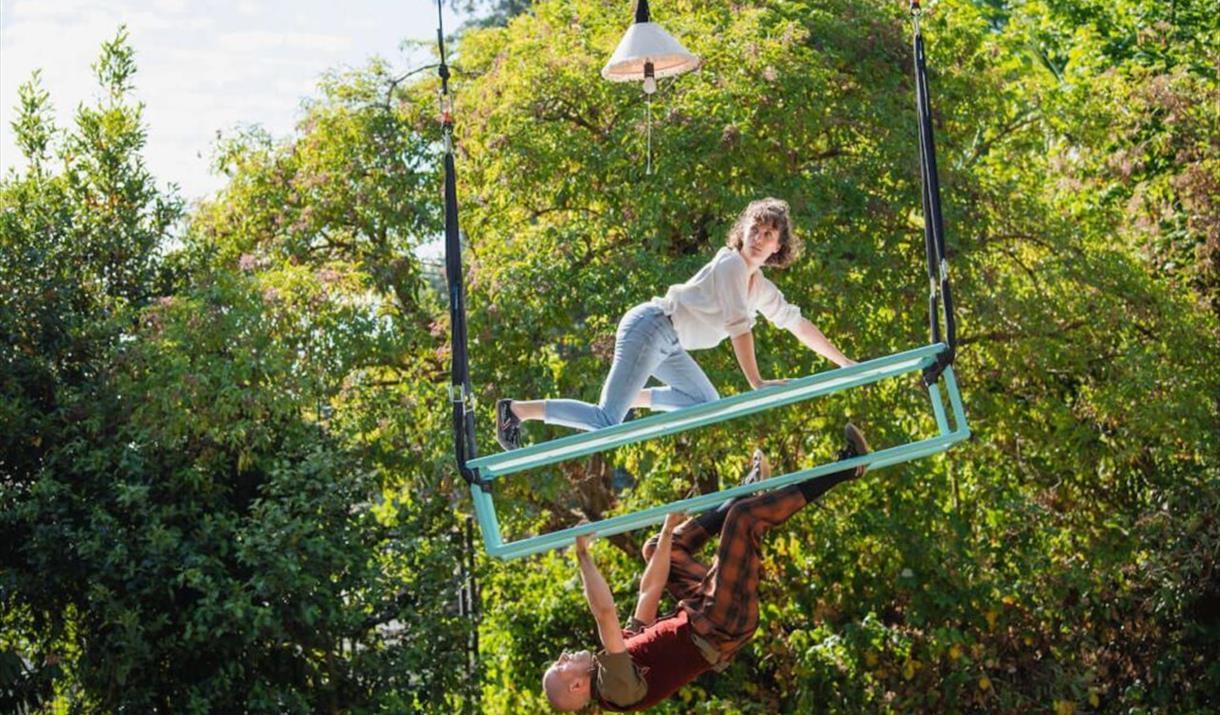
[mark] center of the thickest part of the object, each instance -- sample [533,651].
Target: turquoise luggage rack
[658,425]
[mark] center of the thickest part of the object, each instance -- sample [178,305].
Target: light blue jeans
[646,345]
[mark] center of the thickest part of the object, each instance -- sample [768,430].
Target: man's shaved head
[568,682]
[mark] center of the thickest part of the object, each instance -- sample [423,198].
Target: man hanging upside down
[717,607]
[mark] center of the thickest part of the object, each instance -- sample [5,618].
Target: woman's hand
[672,520]
[768,383]
[582,543]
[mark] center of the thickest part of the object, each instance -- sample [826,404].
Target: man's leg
[728,612]
[693,533]
[855,447]
[686,573]
[712,521]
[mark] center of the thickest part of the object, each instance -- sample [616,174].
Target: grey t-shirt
[618,679]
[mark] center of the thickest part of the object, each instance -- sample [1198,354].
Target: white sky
[202,66]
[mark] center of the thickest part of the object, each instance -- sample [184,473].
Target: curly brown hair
[775,214]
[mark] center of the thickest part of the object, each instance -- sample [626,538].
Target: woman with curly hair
[654,339]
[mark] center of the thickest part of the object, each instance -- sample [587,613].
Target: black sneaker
[508,426]
[760,468]
[856,446]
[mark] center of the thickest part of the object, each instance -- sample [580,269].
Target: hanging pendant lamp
[647,52]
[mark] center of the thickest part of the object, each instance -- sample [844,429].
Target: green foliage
[975,581]
[226,476]
[193,517]
[1137,102]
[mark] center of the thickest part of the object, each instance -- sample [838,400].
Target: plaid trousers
[722,601]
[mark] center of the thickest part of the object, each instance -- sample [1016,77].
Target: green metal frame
[699,415]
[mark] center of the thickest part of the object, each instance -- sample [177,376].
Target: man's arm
[813,338]
[656,574]
[601,601]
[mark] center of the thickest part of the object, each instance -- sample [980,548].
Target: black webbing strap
[468,597]
[939,293]
[459,388]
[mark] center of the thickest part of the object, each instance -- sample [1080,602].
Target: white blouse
[721,300]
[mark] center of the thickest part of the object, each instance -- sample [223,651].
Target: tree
[949,581]
[227,472]
[193,518]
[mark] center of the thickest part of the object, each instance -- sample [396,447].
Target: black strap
[460,390]
[939,293]
[468,597]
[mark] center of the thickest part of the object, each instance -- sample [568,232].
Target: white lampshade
[647,44]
